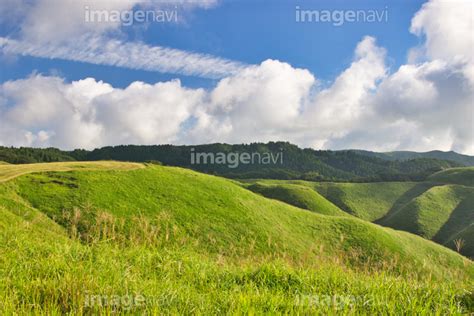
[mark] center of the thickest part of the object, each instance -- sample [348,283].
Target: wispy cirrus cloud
[132,55]
[56,29]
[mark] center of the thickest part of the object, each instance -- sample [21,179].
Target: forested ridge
[297,163]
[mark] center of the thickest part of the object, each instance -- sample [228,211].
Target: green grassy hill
[443,211]
[437,209]
[465,237]
[440,213]
[427,214]
[10,171]
[463,176]
[369,201]
[299,196]
[194,243]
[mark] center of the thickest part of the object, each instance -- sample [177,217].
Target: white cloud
[44,21]
[437,97]
[146,114]
[133,55]
[47,111]
[426,104]
[345,98]
[260,102]
[56,29]
[447,26]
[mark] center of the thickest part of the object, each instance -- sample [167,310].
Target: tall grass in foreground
[105,264]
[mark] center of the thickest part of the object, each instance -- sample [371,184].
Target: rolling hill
[9,171]
[299,196]
[462,176]
[440,208]
[201,207]
[444,212]
[438,213]
[194,243]
[368,201]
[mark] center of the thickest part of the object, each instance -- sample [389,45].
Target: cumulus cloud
[426,104]
[46,111]
[447,26]
[339,108]
[260,102]
[146,114]
[436,97]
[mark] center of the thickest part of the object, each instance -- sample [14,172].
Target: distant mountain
[435,154]
[275,160]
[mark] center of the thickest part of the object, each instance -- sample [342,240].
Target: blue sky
[238,72]
[249,32]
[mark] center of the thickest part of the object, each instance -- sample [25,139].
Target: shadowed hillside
[439,209]
[462,176]
[369,201]
[298,195]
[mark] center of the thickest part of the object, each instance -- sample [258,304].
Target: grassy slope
[438,209]
[9,171]
[178,234]
[57,275]
[220,215]
[428,214]
[299,196]
[443,213]
[467,235]
[462,176]
[369,201]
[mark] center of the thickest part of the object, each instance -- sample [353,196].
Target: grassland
[462,176]
[185,242]
[369,201]
[440,213]
[465,238]
[299,196]
[10,171]
[439,209]
[427,214]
